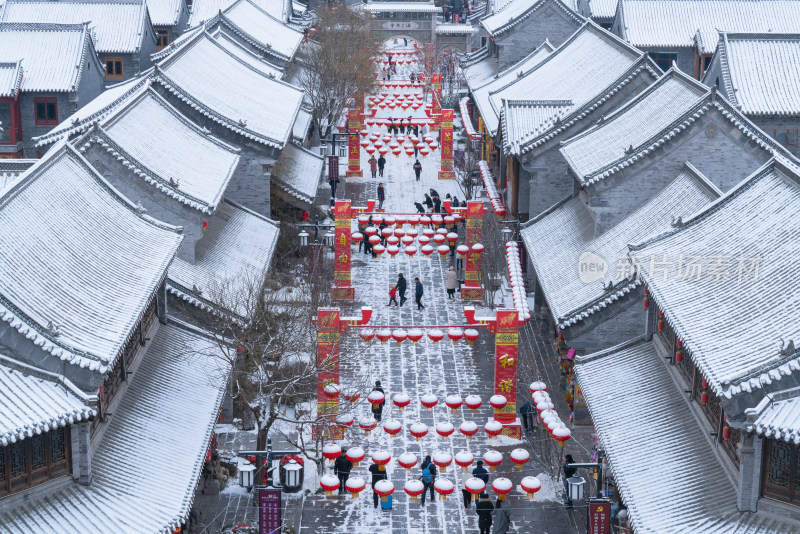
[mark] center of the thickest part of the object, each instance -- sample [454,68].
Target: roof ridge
[42,26]
[534,6]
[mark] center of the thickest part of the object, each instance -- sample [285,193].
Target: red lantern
[415,334]
[381,458]
[401,400]
[355,485]
[435,335]
[646,291]
[705,383]
[704,398]
[661,325]
[475,486]
[355,455]
[473,402]
[471,335]
[493,428]
[427,250]
[331,451]
[492,459]
[561,434]
[418,430]
[399,335]
[453,402]
[357,237]
[329,483]
[392,427]
[678,356]
[442,460]
[414,489]
[384,335]
[375,397]
[344,420]
[455,333]
[429,400]
[445,429]
[498,402]
[726,433]
[646,303]
[366,335]
[530,485]
[520,457]
[679,343]
[502,486]
[384,488]
[443,487]
[367,425]
[407,460]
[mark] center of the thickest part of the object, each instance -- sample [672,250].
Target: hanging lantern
[429,400]
[378,250]
[520,457]
[381,459]
[357,237]
[502,486]
[678,356]
[445,429]
[477,249]
[661,325]
[389,220]
[452,237]
[464,459]
[355,486]
[443,487]
[418,430]
[442,459]
[646,303]
[384,335]
[366,335]
[437,220]
[726,432]
[400,220]
[530,485]
[371,231]
[392,241]
[414,488]
[392,427]
[704,382]
[498,402]
[344,420]
[704,398]
[383,488]
[435,334]
[546,405]
[453,402]
[493,428]
[424,240]
[413,220]
[561,434]
[439,239]
[679,343]
[399,335]
[329,483]
[537,386]
[374,240]
[455,334]
[473,402]
[367,425]
[425,220]
[475,486]
[410,251]
[332,390]
[401,400]
[351,396]
[407,240]
[468,428]
[355,455]
[364,143]
[462,250]
[492,459]
[412,233]
[331,451]
[646,291]
[407,460]
[415,334]
[427,250]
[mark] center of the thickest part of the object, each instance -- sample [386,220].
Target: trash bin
[292,472]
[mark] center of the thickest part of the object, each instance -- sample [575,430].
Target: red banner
[505,365]
[436,97]
[353,146]
[472,289]
[599,517]
[342,238]
[327,358]
[446,144]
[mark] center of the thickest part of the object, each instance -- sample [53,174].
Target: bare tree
[337,63]
[468,176]
[493,260]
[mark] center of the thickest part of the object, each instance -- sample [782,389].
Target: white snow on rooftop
[603,9]
[740,255]
[119,25]
[298,172]
[515,11]
[184,161]
[257,61]
[267,30]
[11,169]
[205,10]
[10,79]
[73,254]
[162,425]
[779,420]
[400,7]
[165,12]
[556,240]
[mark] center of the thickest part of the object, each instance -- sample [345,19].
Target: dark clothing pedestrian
[428,202]
[525,411]
[420,207]
[341,469]
[418,292]
[402,127]
[428,477]
[381,195]
[377,475]
[377,409]
[417,169]
[373,165]
[481,473]
[569,471]
[455,203]
[485,510]
[437,204]
[434,193]
[402,287]
[416,129]
[381,164]
[502,519]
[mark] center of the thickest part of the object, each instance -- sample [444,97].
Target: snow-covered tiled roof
[779,419]
[556,240]
[515,11]
[603,9]
[577,77]
[662,462]
[490,108]
[33,401]
[205,10]
[174,394]
[95,109]
[11,169]
[118,25]
[758,72]
[10,79]
[74,277]
[53,56]
[298,172]
[400,7]
[301,125]
[167,150]
[637,124]
[230,91]
[455,29]
[678,23]
[238,244]
[710,274]
[165,12]
[257,61]
[257,26]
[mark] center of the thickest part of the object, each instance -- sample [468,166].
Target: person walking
[485,510]
[341,468]
[525,412]
[377,409]
[402,127]
[402,286]
[417,169]
[373,165]
[378,473]
[381,165]
[428,202]
[428,477]
[381,195]
[434,193]
[450,283]
[569,471]
[481,472]
[393,296]
[418,292]
[502,518]
[420,207]
[437,204]
[464,493]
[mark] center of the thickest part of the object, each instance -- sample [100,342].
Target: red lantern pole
[446,144]
[472,289]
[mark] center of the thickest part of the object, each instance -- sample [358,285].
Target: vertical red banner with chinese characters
[446,144]
[342,289]
[436,97]
[327,367]
[505,370]
[472,289]
[599,516]
[427,50]
[353,148]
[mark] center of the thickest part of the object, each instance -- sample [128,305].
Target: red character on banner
[505,371]
[342,290]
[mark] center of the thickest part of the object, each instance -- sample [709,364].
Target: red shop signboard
[599,516]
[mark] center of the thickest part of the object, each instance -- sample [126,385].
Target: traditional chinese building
[756,73]
[49,71]
[600,11]
[124,36]
[685,32]
[169,18]
[706,396]
[283,10]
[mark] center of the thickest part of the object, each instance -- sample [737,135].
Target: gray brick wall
[617,322]
[28,118]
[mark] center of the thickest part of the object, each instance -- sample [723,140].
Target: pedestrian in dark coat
[416,129]
[428,477]
[525,411]
[418,292]
[381,164]
[390,127]
[437,204]
[377,409]
[378,473]
[381,195]
[420,207]
[402,127]
[380,232]
[417,169]
[485,510]
[481,472]
[569,471]
[341,468]
[434,192]
[402,286]
[502,519]
[428,202]
[373,165]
